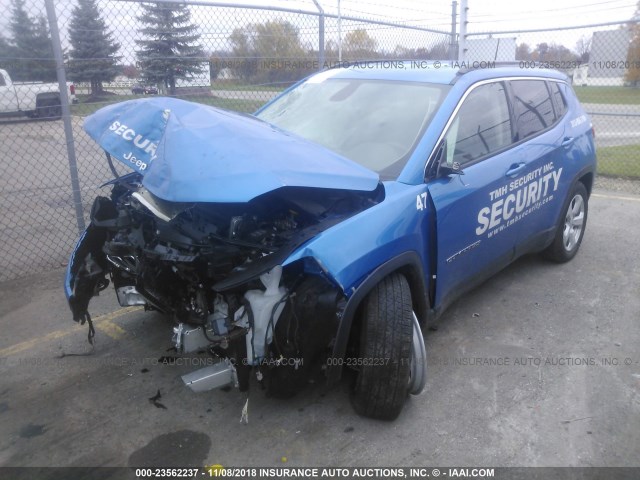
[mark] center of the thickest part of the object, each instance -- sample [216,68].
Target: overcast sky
[483,15]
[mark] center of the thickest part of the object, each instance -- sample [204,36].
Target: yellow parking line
[616,197]
[102,322]
[111,329]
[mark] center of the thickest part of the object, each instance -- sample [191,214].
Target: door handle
[515,169]
[567,142]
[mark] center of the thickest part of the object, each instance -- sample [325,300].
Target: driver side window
[482,125]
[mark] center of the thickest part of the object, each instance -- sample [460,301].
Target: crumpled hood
[188,152]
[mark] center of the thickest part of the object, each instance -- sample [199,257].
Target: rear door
[473,238]
[534,191]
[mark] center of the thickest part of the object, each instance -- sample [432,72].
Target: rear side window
[482,125]
[532,107]
[2,83]
[559,103]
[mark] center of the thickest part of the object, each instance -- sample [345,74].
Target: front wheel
[385,354]
[418,371]
[570,232]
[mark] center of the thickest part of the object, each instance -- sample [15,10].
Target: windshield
[375,123]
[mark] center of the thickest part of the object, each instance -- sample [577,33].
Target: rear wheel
[570,232]
[386,335]
[49,108]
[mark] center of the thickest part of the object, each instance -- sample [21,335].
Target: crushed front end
[216,268]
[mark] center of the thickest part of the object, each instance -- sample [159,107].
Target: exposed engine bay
[216,269]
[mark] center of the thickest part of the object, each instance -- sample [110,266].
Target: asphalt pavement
[539,366]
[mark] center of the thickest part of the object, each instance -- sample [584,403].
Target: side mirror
[453,169]
[440,167]
[444,168]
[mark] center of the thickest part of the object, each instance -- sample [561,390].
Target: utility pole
[453,46]
[339,35]
[462,38]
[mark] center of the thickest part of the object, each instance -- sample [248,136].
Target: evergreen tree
[44,68]
[170,50]
[31,46]
[21,28]
[93,51]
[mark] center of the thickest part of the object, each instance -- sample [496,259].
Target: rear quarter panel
[26,95]
[580,159]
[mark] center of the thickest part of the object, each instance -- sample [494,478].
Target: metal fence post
[320,36]
[462,38]
[453,50]
[66,113]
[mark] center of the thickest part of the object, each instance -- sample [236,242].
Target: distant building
[200,79]
[491,50]
[607,57]
[581,75]
[226,74]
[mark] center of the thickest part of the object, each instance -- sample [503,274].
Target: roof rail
[471,66]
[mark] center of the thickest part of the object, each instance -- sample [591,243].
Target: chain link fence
[238,58]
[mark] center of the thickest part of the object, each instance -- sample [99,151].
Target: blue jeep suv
[325,230]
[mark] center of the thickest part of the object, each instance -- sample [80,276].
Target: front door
[474,236]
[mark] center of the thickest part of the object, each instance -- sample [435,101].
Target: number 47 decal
[421,201]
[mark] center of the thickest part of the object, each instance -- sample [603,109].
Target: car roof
[433,71]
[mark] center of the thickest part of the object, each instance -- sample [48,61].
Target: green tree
[170,50]
[439,51]
[632,75]
[277,45]
[269,52]
[583,48]
[244,61]
[21,28]
[32,55]
[523,52]
[541,51]
[44,67]
[358,45]
[218,60]
[403,53]
[330,53]
[93,51]
[552,52]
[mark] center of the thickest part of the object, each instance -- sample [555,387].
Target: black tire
[56,111]
[386,334]
[568,236]
[49,109]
